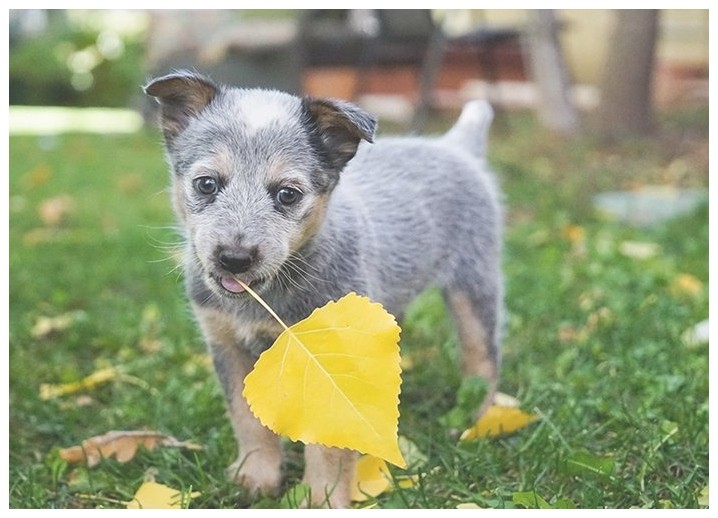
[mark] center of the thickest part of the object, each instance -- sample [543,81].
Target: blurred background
[402,64]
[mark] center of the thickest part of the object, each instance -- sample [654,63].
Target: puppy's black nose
[237,261]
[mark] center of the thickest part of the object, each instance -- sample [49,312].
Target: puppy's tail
[471,131]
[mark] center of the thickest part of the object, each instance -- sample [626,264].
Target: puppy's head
[252,171]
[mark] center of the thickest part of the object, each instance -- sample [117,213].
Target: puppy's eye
[288,195]
[206,185]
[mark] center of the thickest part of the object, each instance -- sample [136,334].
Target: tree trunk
[626,93]
[548,67]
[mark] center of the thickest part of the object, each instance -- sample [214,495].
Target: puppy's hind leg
[476,314]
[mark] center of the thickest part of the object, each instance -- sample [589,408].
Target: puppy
[288,195]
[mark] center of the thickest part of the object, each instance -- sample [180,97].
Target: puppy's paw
[328,495]
[257,473]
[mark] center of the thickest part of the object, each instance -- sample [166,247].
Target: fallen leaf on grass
[573,233]
[498,420]
[333,379]
[372,478]
[46,326]
[152,495]
[54,211]
[55,390]
[121,444]
[702,497]
[686,284]
[38,176]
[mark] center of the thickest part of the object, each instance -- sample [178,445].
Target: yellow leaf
[52,391]
[370,479]
[686,284]
[122,444]
[468,505]
[152,495]
[38,176]
[573,233]
[333,379]
[498,420]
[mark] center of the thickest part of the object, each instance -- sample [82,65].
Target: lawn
[595,340]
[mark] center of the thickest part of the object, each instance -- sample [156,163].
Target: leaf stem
[264,304]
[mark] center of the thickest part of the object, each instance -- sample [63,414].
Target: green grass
[593,338]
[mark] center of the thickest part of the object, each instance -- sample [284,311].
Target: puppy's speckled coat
[277,191]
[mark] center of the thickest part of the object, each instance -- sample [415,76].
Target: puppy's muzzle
[233,264]
[237,261]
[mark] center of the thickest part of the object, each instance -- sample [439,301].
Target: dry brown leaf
[121,444]
[54,211]
[45,326]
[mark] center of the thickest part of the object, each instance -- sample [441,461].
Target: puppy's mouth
[230,285]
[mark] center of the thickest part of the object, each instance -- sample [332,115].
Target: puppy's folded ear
[340,127]
[182,96]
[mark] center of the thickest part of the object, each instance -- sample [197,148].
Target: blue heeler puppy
[280,192]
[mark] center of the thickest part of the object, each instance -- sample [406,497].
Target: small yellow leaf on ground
[498,420]
[38,176]
[122,444]
[468,505]
[333,379]
[573,233]
[370,479]
[686,284]
[52,391]
[152,495]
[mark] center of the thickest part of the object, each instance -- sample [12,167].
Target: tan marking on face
[310,226]
[220,161]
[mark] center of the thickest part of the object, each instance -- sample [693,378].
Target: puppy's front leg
[259,460]
[329,472]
